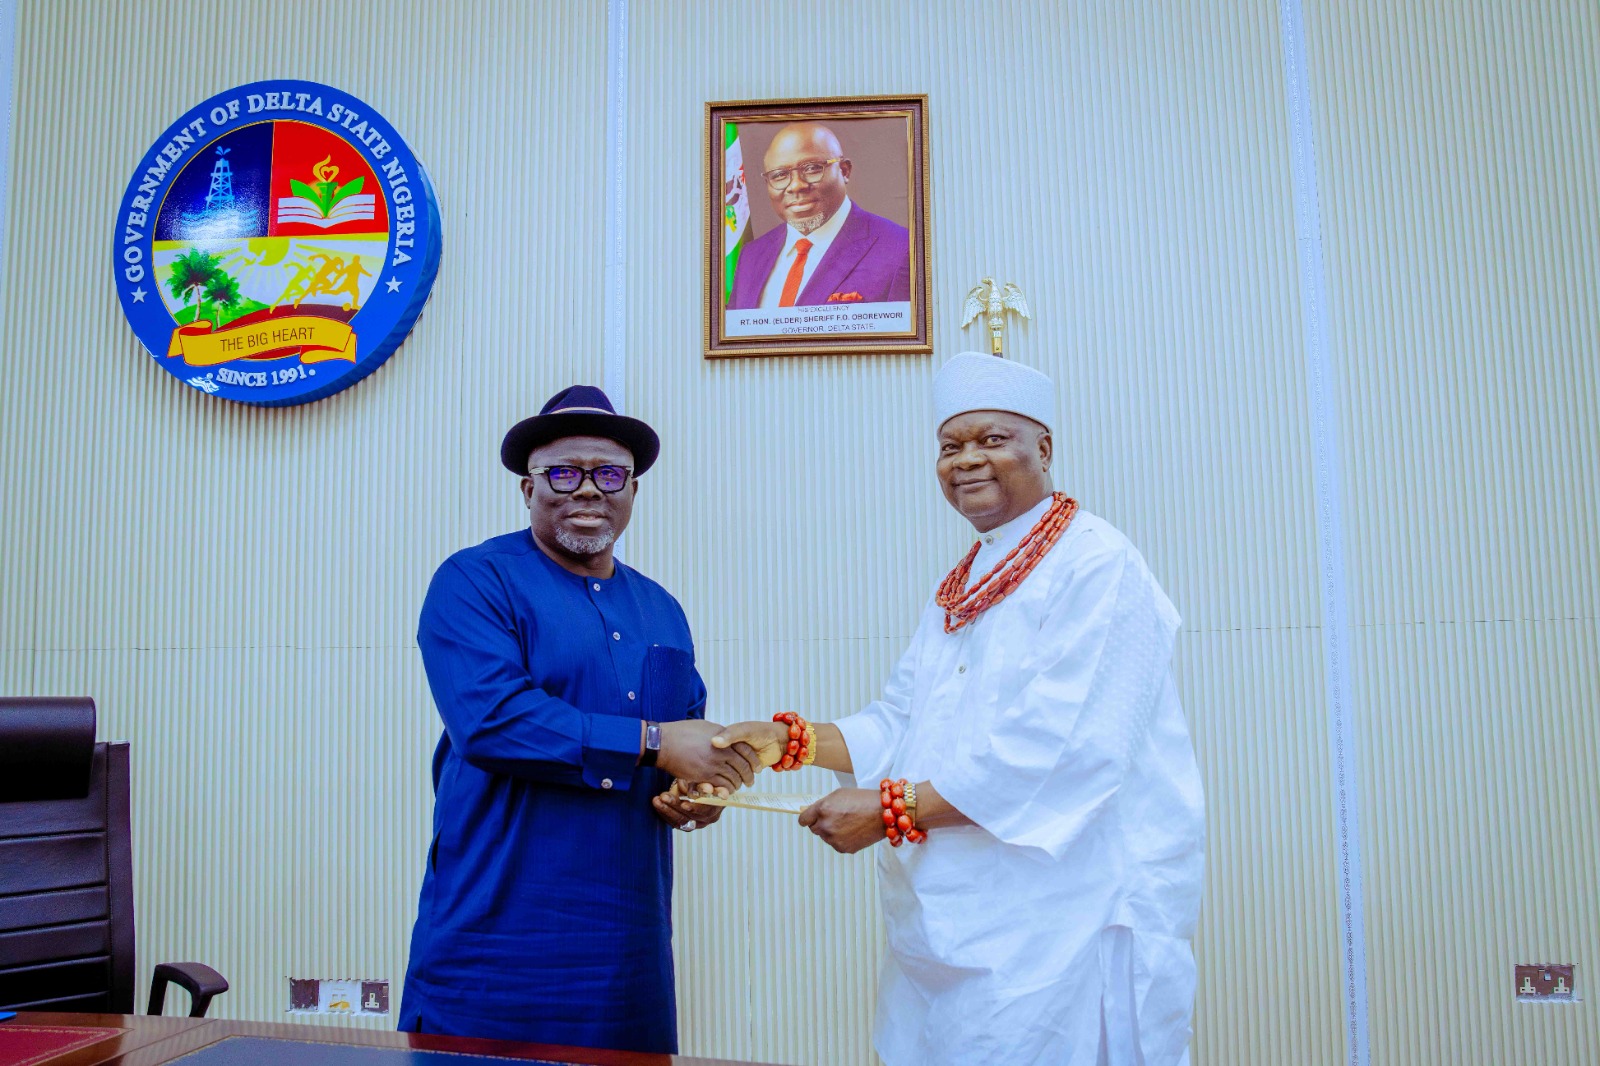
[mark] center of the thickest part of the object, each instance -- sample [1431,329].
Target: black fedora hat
[579,411]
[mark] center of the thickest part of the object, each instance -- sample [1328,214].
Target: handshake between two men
[706,759]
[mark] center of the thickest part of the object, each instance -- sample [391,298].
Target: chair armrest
[201,981]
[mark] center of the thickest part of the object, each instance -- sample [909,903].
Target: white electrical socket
[340,995]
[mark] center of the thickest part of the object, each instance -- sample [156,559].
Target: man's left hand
[680,813]
[849,819]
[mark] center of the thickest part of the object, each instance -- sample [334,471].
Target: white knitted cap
[973,381]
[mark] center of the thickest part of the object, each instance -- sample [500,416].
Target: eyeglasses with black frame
[811,173]
[565,479]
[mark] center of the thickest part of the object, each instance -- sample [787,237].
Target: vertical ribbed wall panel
[239,588]
[1130,169]
[1484,838]
[1458,176]
[1269,959]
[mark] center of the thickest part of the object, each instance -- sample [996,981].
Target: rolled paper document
[778,803]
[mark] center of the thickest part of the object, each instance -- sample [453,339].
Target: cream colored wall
[239,588]
[1462,228]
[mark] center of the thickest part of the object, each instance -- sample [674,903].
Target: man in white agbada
[1047,916]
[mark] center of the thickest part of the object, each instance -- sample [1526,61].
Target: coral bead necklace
[962,605]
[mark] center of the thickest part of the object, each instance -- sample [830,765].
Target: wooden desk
[144,1040]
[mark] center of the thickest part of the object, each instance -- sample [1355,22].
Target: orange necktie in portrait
[791,284]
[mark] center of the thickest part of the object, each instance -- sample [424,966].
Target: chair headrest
[46,747]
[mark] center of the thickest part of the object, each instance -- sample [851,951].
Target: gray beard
[810,225]
[584,545]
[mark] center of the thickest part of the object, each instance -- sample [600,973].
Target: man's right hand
[687,754]
[767,739]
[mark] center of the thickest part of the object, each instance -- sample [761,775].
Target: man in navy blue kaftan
[570,701]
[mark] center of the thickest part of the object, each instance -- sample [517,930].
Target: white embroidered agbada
[1057,929]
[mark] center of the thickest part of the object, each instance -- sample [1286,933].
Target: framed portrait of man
[816,227]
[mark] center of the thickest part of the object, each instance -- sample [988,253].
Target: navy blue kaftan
[546,904]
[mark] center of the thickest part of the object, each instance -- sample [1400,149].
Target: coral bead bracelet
[899,799]
[801,747]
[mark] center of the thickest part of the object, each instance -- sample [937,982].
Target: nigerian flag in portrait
[735,206]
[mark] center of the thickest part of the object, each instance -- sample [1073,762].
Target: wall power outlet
[337,995]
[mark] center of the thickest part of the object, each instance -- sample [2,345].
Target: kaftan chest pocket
[667,688]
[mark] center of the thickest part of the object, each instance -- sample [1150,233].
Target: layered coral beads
[961,604]
[899,800]
[801,747]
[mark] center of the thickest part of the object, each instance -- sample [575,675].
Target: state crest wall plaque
[276,244]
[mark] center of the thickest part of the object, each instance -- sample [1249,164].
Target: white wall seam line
[1330,527]
[615,372]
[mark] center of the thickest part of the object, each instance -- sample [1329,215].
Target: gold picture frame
[869,291]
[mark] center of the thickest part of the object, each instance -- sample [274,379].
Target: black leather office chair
[66,868]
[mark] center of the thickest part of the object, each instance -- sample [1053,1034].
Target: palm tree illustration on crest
[199,276]
[192,272]
[222,292]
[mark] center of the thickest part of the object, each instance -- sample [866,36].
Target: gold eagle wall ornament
[992,300]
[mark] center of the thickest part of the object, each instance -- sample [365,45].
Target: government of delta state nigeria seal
[276,244]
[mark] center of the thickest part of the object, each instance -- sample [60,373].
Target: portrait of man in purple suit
[827,248]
